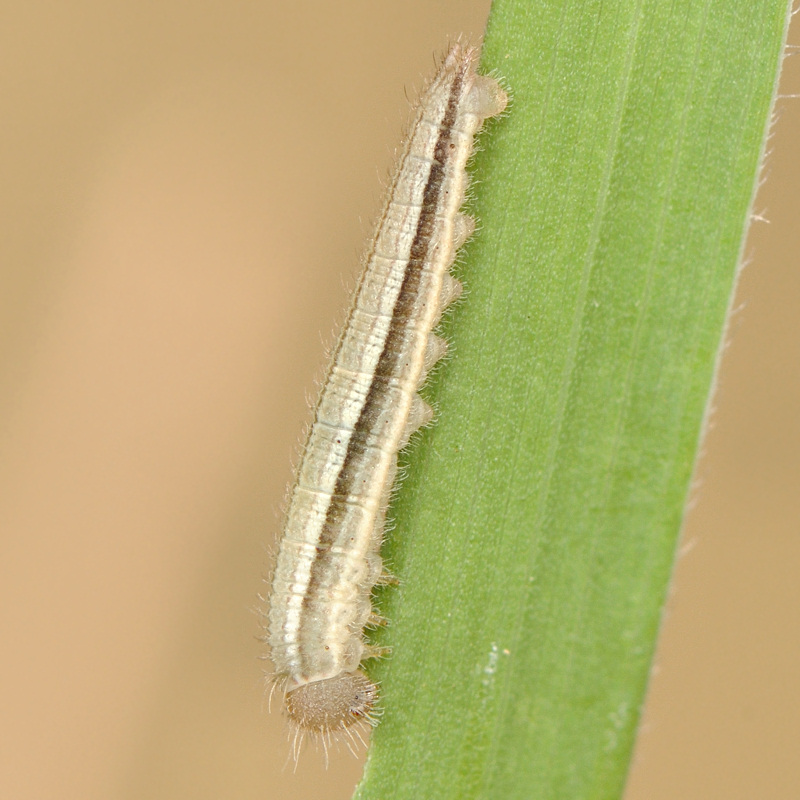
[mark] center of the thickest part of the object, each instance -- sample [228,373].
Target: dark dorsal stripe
[392,349]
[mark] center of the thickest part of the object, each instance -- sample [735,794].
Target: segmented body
[329,560]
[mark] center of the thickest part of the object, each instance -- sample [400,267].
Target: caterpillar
[329,554]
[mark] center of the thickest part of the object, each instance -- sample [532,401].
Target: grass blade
[536,530]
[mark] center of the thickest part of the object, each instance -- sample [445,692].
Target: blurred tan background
[186,189]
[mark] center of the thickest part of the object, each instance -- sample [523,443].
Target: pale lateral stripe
[329,559]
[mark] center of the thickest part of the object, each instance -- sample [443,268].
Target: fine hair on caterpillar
[328,559]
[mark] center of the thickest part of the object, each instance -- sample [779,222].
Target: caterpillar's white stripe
[328,560]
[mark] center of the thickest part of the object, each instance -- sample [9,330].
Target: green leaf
[536,530]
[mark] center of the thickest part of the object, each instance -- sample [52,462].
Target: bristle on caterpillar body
[329,555]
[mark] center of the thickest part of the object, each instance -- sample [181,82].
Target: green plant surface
[536,530]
